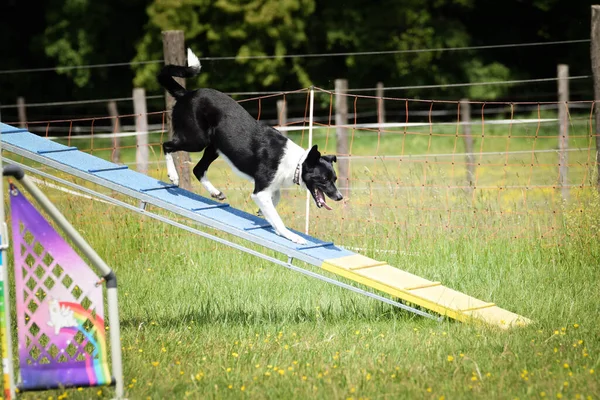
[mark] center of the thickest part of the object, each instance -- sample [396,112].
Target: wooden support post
[21,111]
[563,133]
[174,53]
[141,127]
[380,103]
[341,122]
[595,55]
[465,120]
[114,121]
[282,113]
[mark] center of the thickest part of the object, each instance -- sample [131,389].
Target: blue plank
[238,220]
[57,150]
[134,180]
[82,161]
[31,142]
[184,199]
[10,129]
[116,167]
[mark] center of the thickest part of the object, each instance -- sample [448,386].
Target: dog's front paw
[295,238]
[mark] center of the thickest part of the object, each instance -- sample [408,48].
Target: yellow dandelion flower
[235,355]
[243,388]
[591,371]
[257,365]
[566,384]
[368,377]
[542,394]
[267,373]
[565,365]
[163,350]
[99,392]
[304,377]
[357,332]
[228,369]
[474,378]
[281,372]
[559,395]
[429,390]
[230,387]
[155,363]
[575,326]
[450,358]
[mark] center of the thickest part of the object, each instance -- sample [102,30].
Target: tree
[237,28]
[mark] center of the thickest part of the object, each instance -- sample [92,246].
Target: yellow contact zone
[355,267]
[401,294]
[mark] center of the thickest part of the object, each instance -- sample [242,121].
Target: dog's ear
[312,158]
[330,158]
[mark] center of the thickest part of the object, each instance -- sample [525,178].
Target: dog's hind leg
[168,149]
[210,155]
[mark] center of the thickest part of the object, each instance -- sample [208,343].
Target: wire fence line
[304,55]
[129,130]
[267,93]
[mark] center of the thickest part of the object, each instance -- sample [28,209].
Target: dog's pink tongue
[327,206]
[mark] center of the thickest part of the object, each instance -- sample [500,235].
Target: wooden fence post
[141,127]
[465,120]
[341,122]
[114,121]
[174,53]
[380,103]
[563,133]
[21,112]
[282,114]
[595,56]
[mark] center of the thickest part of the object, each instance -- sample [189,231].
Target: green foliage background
[73,33]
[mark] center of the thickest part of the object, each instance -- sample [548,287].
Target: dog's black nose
[338,196]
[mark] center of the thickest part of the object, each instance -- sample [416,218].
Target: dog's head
[319,177]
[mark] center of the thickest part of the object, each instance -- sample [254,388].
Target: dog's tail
[165,76]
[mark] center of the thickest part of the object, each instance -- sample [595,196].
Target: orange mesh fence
[411,172]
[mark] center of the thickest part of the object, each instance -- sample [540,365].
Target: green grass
[200,320]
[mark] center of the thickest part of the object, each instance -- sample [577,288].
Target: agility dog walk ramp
[372,273]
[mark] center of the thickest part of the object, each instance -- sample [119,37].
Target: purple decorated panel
[60,313]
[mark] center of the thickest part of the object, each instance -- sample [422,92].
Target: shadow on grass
[210,313]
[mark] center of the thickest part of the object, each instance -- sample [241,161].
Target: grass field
[200,320]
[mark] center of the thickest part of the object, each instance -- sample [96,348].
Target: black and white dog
[206,119]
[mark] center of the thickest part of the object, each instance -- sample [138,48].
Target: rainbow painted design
[60,309]
[97,364]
